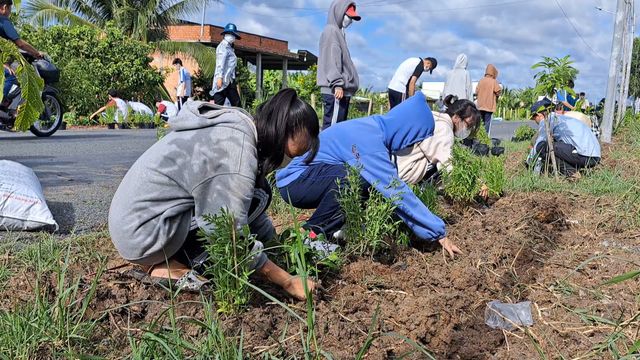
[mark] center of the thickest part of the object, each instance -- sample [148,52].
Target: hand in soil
[295,287]
[450,247]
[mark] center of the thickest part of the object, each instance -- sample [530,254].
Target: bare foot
[295,287]
[172,270]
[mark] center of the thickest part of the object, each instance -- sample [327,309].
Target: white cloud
[513,36]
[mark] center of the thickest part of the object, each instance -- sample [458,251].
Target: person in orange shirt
[487,92]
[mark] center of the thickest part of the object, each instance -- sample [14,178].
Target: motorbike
[51,118]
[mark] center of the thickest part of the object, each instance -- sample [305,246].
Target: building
[264,52]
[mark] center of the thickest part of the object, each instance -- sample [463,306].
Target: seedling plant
[230,258]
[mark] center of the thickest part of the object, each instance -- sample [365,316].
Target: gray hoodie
[335,68]
[207,163]
[458,81]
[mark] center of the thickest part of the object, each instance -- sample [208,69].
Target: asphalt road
[80,170]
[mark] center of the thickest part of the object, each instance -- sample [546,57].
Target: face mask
[462,132]
[229,38]
[346,21]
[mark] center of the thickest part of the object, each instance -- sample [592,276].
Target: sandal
[187,282]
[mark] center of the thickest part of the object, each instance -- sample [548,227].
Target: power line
[578,32]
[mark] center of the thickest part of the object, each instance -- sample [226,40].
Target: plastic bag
[499,315]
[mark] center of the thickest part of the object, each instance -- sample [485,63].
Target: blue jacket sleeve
[380,172]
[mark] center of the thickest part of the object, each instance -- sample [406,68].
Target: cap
[434,64]
[540,106]
[351,12]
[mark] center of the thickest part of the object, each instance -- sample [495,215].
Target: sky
[512,35]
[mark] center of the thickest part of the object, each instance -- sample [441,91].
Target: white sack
[22,203]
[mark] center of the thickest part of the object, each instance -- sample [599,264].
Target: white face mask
[462,132]
[229,38]
[346,21]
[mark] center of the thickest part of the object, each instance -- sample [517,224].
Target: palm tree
[143,20]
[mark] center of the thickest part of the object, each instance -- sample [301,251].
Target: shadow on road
[63,137]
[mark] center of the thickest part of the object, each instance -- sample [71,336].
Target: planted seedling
[461,182]
[524,133]
[369,224]
[229,249]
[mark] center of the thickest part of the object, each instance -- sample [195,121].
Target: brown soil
[524,247]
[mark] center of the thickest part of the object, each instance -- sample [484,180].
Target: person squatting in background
[487,92]
[224,79]
[337,76]
[315,184]
[458,81]
[574,144]
[403,84]
[162,200]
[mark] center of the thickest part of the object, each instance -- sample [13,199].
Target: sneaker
[340,235]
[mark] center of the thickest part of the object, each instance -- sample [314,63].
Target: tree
[554,75]
[143,20]
[92,61]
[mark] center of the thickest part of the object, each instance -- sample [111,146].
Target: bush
[92,61]
[493,175]
[462,184]
[229,250]
[524,133]
[481,135]
[369,226]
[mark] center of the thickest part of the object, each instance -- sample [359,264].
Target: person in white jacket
[430,156]
[458,80]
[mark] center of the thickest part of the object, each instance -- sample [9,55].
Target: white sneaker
[340,235]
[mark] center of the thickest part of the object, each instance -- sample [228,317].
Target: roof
[273,51]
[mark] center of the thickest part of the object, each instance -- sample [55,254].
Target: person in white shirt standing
[403,83]
[183,90]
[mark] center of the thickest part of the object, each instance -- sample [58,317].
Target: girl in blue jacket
[368,144]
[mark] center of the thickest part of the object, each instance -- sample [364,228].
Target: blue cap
[231,29]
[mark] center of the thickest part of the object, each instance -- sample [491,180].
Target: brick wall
[212,34]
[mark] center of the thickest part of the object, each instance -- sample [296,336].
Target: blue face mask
[229,38]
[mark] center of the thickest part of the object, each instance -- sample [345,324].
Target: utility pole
[630,35]
[614,71]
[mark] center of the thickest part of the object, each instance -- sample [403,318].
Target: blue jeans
[486,119]
[9,81]
[317,188]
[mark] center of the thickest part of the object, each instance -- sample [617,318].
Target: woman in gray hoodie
[215,158]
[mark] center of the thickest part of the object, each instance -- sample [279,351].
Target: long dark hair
[279,119]
[463,108]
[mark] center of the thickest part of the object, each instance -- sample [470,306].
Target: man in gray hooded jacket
[337,76]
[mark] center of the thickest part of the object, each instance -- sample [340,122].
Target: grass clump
[524,133]
[461,182]
[370,223]
[493,175]
[230,260]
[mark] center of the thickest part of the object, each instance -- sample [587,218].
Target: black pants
[317,188]
[395,98]
[328,101]
[181,101]
[567,158]
[486,119]
[231,93]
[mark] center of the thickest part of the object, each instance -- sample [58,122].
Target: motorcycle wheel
[51,118]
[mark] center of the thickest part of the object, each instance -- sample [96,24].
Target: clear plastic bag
[499,315]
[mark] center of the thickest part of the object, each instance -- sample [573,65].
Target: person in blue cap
[314,184]
[574,145]
[224,79]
